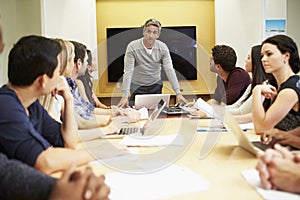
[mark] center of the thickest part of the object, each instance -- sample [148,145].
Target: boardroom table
[221,166]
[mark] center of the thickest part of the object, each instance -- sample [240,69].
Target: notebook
[148,128]
[232,126]
[150,101]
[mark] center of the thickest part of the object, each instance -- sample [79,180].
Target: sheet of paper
[157,140]
[144,113]
[205,107]
[131,155]
[166,183]
[247,126]
[252,177]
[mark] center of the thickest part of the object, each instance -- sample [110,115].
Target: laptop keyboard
[262,146]
[130,130]
[174,110]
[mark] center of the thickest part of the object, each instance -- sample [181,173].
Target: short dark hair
[153,22]
[225,56]
[80,51]
[286,44]
[31,57]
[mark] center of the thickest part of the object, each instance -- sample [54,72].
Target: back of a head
[80,51]
[286,44]
[258,71]
[31,57]
[90,57]
[225,56]
[64,55]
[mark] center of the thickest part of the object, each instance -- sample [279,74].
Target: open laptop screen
[150,101]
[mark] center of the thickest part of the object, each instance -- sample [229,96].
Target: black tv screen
[181,41]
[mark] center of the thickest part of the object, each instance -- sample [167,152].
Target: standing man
[232,81]
[143,61]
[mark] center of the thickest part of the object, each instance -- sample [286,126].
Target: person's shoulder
[291,82]
[161,44]
[239,70]
[240,73]
[7,93]
[136,42]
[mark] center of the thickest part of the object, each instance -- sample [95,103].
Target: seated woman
[281,58]
[53,104]
[242,108]
[85,84]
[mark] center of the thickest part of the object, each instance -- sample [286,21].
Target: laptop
[150,101]
[149,127]
[232,126]
[177,109]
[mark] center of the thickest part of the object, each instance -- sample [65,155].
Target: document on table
[205,107]
[252,177]
[247,126]
[166,183]
[144,113]
[156,140]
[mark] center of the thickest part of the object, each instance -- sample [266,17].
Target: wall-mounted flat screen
[181,41]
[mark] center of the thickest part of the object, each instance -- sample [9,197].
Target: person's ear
[42,80]
[287,56]
[158,34]
[78,62]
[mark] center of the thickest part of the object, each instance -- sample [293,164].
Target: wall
[235,22]
[68,19]
[133,13]
[293,16]
[239,24]
[19,18]
[71,20]
[242,25]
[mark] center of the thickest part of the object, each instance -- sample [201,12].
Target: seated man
[20,181]
[232,81]
[28,133]
[88,116]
